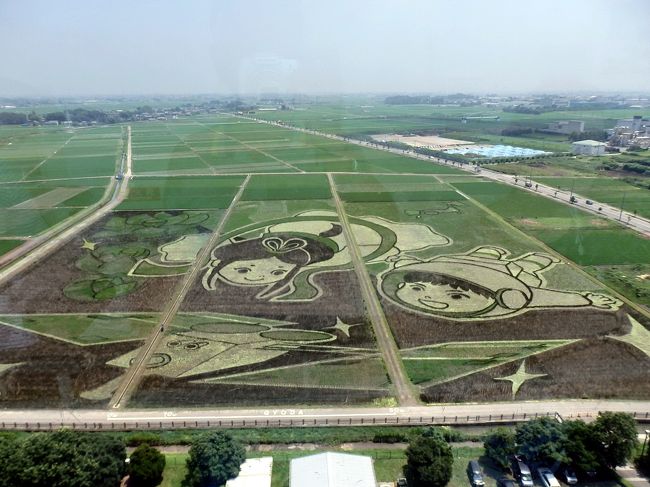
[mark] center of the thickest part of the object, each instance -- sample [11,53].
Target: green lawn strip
[628,280]
[352,373]
[286,187]
[357,197]
[7,245]
[175,469]
[89,197]
[588,247]
[26,223]
[85,329]
[168,164]
[181,192]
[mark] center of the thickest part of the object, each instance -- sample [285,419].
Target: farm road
[610,212]
[383,334]
[134,373]
[37,248]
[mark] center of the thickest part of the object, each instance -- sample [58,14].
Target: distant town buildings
[566,127]
[588,148]
[630,132]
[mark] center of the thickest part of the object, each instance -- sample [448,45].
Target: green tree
[582,446]
[10,464]
[499,446]
[617,437]
[542,440]
[429,462]
[146,467]
[69,458]
[213,459]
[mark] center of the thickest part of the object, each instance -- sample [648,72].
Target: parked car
[474,474]
[570,476]
[547,477]
[506,482]
[522,472]
[402,482]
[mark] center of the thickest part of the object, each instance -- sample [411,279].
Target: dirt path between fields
[134,374]
[384,337]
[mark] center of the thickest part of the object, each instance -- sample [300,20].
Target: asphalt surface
[497,412]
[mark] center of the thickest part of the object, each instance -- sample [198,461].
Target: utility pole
[620,216]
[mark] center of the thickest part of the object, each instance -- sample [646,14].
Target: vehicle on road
[474,473]
[569,475]
[589,202]
[506,482]
[573,199]
[528,184]
[522,472]
[547,477]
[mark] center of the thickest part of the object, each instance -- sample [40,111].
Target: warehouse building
[332,470]
[588,148]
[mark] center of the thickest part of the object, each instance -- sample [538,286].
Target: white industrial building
[332,470]
[254,472]
[588,148]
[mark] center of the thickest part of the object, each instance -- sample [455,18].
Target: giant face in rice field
[281,257]
[481,284]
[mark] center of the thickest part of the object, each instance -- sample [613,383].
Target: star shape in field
[519,377]
[344,327]
[88,245]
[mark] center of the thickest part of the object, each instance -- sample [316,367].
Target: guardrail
[298,422]
[281,422]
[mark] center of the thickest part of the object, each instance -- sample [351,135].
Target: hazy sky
[250,46]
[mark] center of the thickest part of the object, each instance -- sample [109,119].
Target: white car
[547,477]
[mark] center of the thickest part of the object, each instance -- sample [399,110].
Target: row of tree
[66,458]
[596,447]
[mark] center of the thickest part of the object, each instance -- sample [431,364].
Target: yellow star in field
[519,377]
[88,245]
[344,327]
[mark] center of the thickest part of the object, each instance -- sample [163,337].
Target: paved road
[437,414]
[47,242]
[134,373]
[384,336]
[639,224]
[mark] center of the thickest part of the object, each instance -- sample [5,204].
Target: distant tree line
[600,135]
[11,118]
[414,100]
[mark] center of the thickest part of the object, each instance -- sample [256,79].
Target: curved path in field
[634,222]
[39,247]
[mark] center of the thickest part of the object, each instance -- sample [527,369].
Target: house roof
[254,472]
[592,143]
[332,470]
